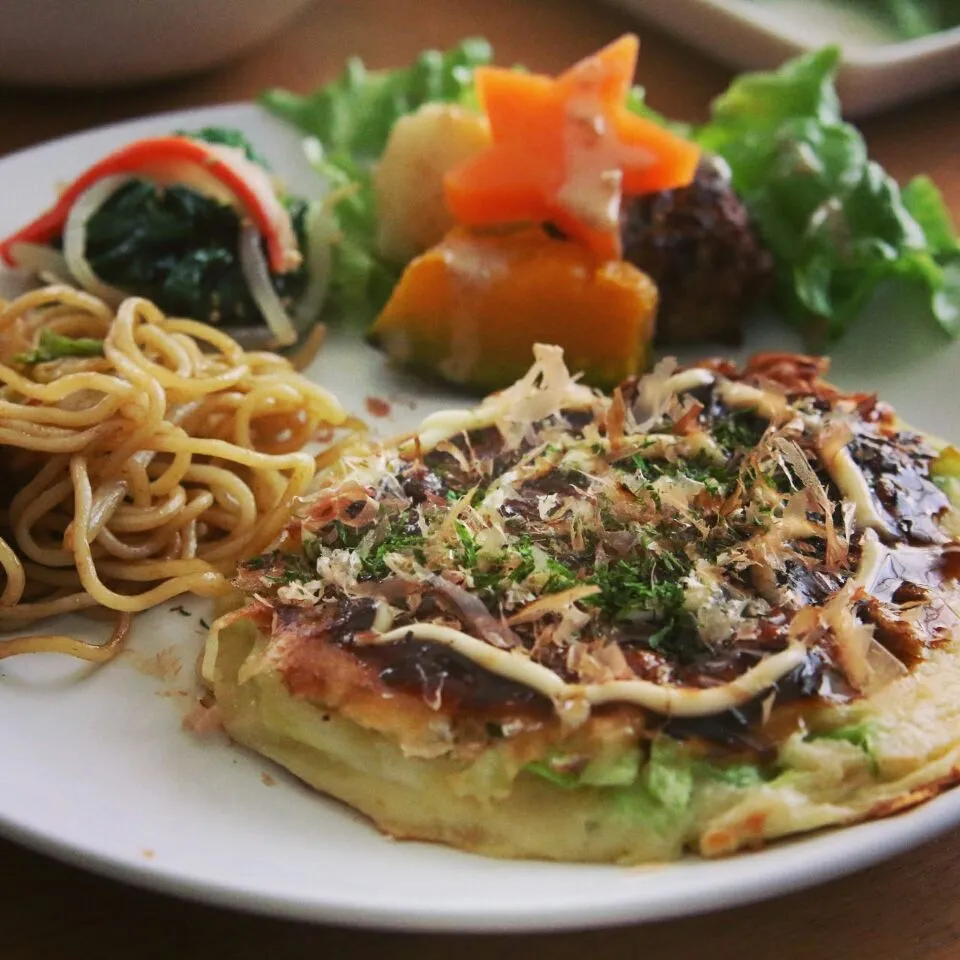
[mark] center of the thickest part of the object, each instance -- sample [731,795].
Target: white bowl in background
[108,42]
[877,72]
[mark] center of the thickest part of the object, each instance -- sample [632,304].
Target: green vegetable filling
[658,790]
[860,735]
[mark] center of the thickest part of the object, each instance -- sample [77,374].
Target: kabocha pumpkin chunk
[470,309]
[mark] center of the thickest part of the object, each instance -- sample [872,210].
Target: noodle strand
[143,474]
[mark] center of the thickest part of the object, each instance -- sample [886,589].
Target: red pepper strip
[189,162]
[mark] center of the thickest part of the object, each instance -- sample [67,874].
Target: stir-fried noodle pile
[142,457]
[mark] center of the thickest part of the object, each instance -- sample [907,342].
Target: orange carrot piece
[566,150]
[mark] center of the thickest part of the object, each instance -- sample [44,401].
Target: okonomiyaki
[714,608]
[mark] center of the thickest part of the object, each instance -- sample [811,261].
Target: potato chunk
[409,179]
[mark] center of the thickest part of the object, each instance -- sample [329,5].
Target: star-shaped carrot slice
[566,150]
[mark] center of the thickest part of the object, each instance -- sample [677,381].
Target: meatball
[699,246]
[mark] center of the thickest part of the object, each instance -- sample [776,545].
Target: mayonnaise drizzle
[842,468]
[668,701]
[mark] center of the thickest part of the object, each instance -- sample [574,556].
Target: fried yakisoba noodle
[143,470]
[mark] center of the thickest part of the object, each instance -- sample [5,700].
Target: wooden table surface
[906,908]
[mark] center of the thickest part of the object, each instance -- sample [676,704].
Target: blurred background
[98,55]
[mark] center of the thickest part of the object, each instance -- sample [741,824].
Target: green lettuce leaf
[914,18]
[56,346]
[637,103]
[348,122]
[838,226]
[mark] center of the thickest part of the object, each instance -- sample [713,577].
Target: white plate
[878,70]
[95,768]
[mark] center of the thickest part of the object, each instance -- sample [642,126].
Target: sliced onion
[257,274]
[75,238]
[321,231]
[41,261]
[262,186]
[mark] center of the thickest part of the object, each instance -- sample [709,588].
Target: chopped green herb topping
[716,477]
[469,544]
[650,585]
[397,540]
[561,577]
[292,569]
[739,431]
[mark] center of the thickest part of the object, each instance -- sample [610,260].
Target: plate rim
[923,823]
[63,138]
